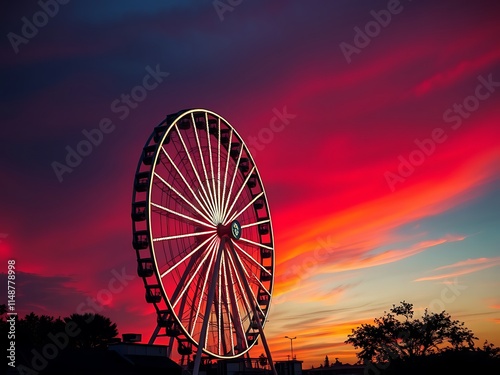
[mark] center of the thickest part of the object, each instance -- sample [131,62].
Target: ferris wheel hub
[231,230]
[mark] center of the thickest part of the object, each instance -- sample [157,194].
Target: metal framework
[203,236]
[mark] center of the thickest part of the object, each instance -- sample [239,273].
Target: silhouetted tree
[398,335]
[327,361]
[31,333]
[96,331]
[34,332]
[490,350]
[34,329]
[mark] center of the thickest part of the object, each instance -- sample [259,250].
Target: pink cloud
[459,71]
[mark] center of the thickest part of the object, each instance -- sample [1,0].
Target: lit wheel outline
[199,206]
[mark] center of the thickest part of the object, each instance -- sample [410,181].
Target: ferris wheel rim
[228,218]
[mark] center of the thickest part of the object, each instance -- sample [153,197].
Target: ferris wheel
[203,237]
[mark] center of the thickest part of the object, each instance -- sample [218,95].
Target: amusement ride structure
[203,237]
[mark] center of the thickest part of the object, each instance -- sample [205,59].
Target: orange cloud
[346,238]
[469,262]
[391,256]
[315,341]
[366,220]
[345,259]
[463,268]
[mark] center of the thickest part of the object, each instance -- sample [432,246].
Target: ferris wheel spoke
[238,194]
[258,314]
[208,307]
[241,268]
[235,317]
[252,259]
[195,273]
[180,311]
[192,319]
[256,223]
[203,166]
[182,197]
[218,171]
[236,214]
[205,280]
[228,301]
[192,261]
[195,170]
[205,205]
[233,177]
[219,307]
[261,285]
[256,244]
[211,162]
[254,277]
[243,292]
[188,255]
[204,223]
[226,173]
[187,235]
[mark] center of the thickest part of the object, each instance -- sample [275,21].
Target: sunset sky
[382,175]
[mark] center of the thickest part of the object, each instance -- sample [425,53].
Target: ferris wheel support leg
[210,301]
[248,359]
[170,346]
[254,310]
[154,335]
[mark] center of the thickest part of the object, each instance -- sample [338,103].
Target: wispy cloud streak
[462,268]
